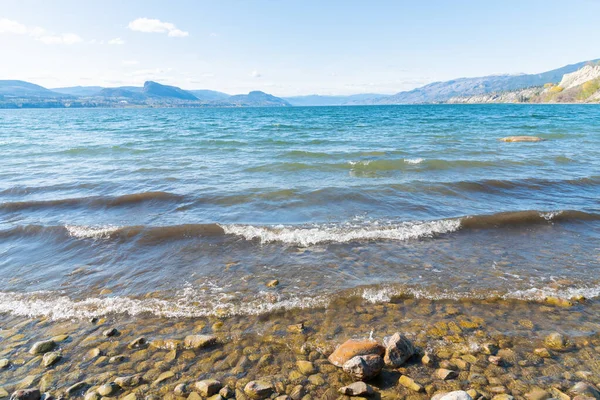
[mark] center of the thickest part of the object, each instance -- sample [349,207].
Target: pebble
[163,377]
[180,390]
[258,389]
[208,387]
[495,360]
[398,349]
[456,395]
[4,363]
[51,358]
[555,341]
[108,389]
[199,341]
[306,367]
[138,343]
[77,387]
[42,347]
[110,332]
[409,383]
[273,283]
[357,389]
[584,389]
[26,394]
[446,374]
[226,392]
[364,367]
[130,381]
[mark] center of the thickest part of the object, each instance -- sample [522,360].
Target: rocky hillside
[581,86]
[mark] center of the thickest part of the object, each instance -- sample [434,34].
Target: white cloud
[130,62]
[116,41]
[8,26]
[148,25]
[213,34]
[255,74]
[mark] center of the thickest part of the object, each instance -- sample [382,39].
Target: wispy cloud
[11,27]
[116,41]
[255,74]
[148,25]
[130,62]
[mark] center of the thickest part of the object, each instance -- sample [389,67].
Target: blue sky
[290,47]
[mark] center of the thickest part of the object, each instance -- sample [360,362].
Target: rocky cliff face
[581,86]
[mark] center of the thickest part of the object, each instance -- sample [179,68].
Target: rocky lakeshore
[405,348]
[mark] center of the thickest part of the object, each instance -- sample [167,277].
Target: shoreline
[289,350]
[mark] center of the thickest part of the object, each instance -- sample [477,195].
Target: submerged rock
[108,389]
[352,348]
[110,332]
[456,395]
[357,389]
[585,389]
[199,341]
[410,383]
[42,347]
[398,349]
[258,390]
[4,363]
[512,139]
[364,367]
[556,341]
[26,394]
[208,387]
[50,359]
[446,374]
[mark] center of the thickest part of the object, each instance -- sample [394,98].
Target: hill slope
[257,99]
[438,92]
[154,89]
[22,89]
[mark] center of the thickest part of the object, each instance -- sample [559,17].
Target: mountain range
[578,82]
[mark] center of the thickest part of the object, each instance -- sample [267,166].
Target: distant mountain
[121,93]
[257,99]
[318,100]
[154,89]
[209,95]
[79,91]
[443,91]
[22,89]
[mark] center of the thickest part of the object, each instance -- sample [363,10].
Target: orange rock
[352,348]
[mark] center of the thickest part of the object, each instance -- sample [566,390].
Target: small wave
[308,236]
[414,160]
[94,201]
[91,232]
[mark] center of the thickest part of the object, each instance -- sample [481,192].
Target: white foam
[311,235]
[414,160]
[549,216]
[91,232]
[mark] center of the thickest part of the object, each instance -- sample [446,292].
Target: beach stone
[296,328]
[410,383]
[557,394]
[427,360]
[512,139]
[76,388]
[192,396]
[180,390]
[446,374]
[585,389]
[297,392]
[130,381]
[503,396]
[226,392]
[398,349]
[273,283]
[4,363]
[91,396]
[537,393]
[130,396]
[60,338]
[364,367]
[316,379]
[258,389]
[208,387]
[26,394]
[3,393]
[51,358]
[163,377]
[107,389]
[495,360]
[489,348]
[166,344]
[138,343]
[352,348]
[357,389]
[542,352]
[456,395]
[110,332]
[199,341]
[306,367]
[555,341]
[42,347]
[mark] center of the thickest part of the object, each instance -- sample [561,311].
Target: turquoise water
[200,207]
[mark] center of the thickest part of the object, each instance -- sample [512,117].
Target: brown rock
[398,349]
[537,393]
[364,367]
[446,374]
[208,387]
[27,394]
[352,348]
[410,383]
[357,389]
[258,389]
[199,341]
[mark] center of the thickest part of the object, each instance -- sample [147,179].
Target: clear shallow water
[197,209]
